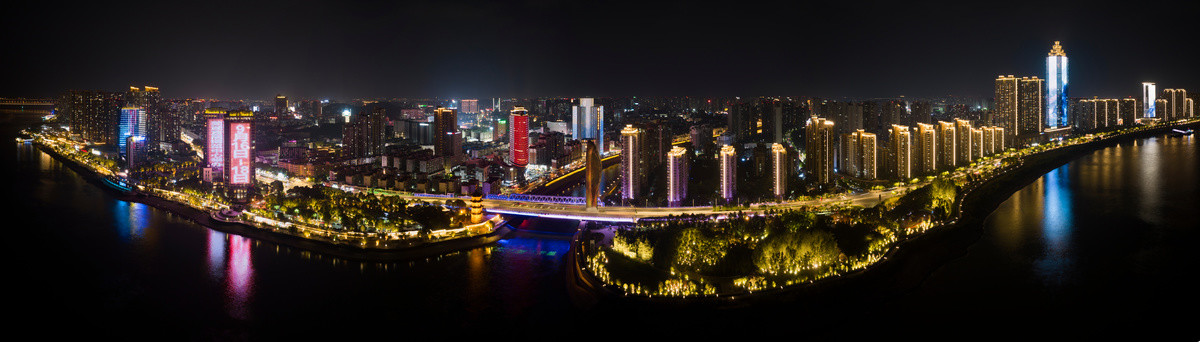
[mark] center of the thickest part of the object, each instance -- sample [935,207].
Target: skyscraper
[281,104]
[469,106]
[1056,88]
[445,125]
[133,123]
[239,156]
[779,170]
[364,135]
[1148,100]
[587,122]
[135,151]
[518,145]
[900,148]
[631,163]
[214,152]
[161,124]
[677,176]
[1006,104]
[728,160]
[819,149]
[1029,109]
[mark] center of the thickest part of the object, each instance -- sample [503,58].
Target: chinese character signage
[239,153]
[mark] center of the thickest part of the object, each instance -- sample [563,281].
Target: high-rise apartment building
[632,169]
[947,151]
[518,145]
[866,155]
[469,106]
[976,144]
[963,155]
[364,135]
[1128,111]
[728,160]
[94,115]
[1029,109]
[445,126]
[1176,104]
[702,139]
[677,176]
[927,146]
[1056,88]
[779,170]
[161,123]
[818,149]
[900,150]
[1005,110]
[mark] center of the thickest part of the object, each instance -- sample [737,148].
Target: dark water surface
[1104,244]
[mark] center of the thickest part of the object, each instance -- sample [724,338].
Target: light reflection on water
[239,278]
[1148,179]
[1057,224]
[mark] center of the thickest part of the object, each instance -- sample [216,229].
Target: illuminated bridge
[538,198]
[20,102]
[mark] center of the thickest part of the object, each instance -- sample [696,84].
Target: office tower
[1056,88]
[281,104]
[364,135]
[469,106]
[900,149]
[677,176]
[631,163]
[1148,100]
[866,154]
[445,125]
[214,152]
[161,124]
[133,123]
[779,170]
[819,149]
[1128,112]
[728,159]
[592,168]
[702,139]
[1006,104]
[587,122]
[239,156]
[962,140]
[135,151]
[927,148]
[518,144]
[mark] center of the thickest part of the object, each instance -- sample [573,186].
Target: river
[1102,244]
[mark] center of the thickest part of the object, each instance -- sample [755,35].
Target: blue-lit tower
[133,124]
[1056,88]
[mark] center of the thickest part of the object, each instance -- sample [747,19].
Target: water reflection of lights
[216,254]
[239,278]
[1057,221]
[131,219]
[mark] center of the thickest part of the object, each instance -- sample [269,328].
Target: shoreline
[900,270]
[333,249]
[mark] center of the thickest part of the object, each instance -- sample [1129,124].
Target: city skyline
[532,50]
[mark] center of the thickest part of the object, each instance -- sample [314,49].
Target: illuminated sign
[216,144]
[239,153]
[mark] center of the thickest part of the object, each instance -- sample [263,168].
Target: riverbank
[903,268]
[339,250]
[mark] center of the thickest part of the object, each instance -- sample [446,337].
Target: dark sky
[344,49]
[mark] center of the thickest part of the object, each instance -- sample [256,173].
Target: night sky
[344,49]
